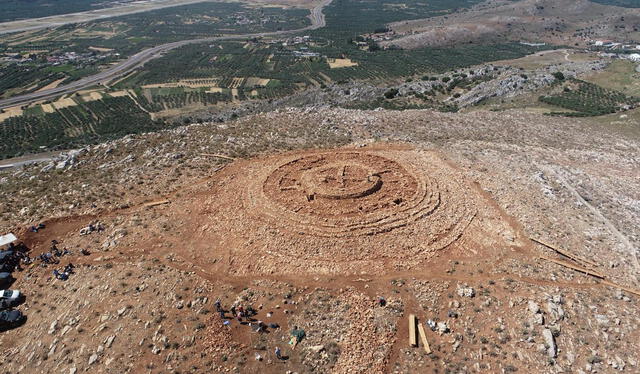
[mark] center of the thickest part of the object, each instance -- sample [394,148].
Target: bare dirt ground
[564,22]
[321,212]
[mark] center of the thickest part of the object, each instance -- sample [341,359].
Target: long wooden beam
[565,253]
[413,341]
[574,267]
[423,338]
[624,288]
[155,203]
[218,156]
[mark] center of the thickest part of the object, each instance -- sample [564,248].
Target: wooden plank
[156,203]
[413,341]
[565,253]
[423,338]
[574,267]
[218,156]
[624,288]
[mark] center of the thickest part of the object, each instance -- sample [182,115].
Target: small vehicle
[10,295]
[11,318]
[6,256]
[10,298]
[5,279]
[7,268]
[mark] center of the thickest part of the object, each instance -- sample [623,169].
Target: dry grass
[620,76]
[11,112]
[336,63]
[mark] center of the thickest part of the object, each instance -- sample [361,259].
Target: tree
[390,94]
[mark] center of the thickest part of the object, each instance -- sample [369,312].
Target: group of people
[51,257]
[13,257]
[40,226]
[244,316]
[64,274]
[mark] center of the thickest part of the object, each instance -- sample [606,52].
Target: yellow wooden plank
[156,203]
[565,253]
[624,288]
[218,156]
[413,341]
[423,338]
[574,267]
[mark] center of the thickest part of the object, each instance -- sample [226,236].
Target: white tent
[7,239]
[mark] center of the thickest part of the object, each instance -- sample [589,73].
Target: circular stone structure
[344,194]
[336,211]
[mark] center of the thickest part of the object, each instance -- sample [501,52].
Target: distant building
[635,57]
[533,44]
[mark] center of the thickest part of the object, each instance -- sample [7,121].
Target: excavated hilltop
[309,216]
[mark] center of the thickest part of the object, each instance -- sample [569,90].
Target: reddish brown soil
[335,229]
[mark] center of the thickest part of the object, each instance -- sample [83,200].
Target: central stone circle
[340,180]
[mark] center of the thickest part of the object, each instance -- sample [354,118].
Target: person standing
[278,353]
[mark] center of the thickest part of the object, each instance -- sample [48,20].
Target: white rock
[465,291]
[53,327]
[93,359]
[109,341]
[551,343]
[316,348]
[533,307]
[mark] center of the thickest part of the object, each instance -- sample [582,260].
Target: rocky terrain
[170,210]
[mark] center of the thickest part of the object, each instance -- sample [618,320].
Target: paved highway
[124,67]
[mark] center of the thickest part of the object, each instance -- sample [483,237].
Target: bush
[390,94]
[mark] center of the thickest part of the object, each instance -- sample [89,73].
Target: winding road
[137,60]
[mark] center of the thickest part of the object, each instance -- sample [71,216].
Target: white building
[635,57]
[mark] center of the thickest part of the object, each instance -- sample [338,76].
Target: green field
[131,33]
[11,10]
[232,67]
[348,18]
[622,3]
[620,75]
[127,35]
[274,61]
[586,99]
[75,126]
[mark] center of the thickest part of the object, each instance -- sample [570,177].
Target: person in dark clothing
[62,276]
[69,268]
